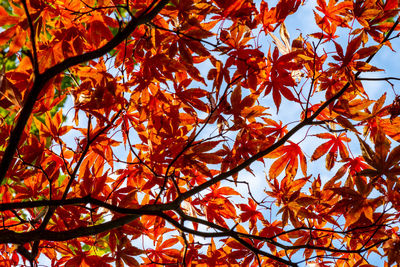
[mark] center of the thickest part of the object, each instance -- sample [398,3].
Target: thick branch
[33,39]
[144,210]
[7,236]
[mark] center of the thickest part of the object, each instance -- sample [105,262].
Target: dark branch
[8,236]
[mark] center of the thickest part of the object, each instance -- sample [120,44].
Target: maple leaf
[334,145]
[391,250]
[349,60]
[250,213]
[289,157]
[285,8]
[335,14]
[356,204]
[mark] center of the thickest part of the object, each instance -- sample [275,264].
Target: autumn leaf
[335,14]
[250,213]
[289,157]
[335,144]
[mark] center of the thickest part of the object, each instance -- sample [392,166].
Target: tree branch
[42,79]
[8,236]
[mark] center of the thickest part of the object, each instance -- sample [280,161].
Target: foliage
[132,129]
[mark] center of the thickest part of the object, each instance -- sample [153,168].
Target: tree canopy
[197,133]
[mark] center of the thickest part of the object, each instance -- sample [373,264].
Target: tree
[132,130]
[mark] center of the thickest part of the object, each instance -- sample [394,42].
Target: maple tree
[131,131]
